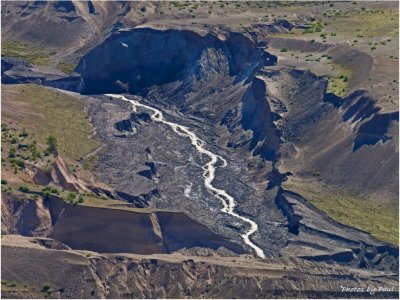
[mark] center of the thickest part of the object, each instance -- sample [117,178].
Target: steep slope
[30,263]
[134,62]
[96,229]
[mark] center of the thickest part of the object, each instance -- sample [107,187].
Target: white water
[209,170]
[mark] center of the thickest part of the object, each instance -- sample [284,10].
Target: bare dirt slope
[135,276]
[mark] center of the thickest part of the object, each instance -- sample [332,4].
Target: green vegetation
[26,149]
[30,53]
[338,85]
[12,153]
[88,162]
[375,22]
[49,113]
[51,190]
[18,163]
[46,289]
[284,50]
[52,144]
[23,189]
[34,191]
[380,219]
[74,199]
[67,68]
[71,197]
[9,284]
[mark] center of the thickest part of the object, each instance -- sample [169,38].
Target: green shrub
[4,127]
[23,134]
[46,288]
[52,144]
[23,189]
[47,170]
[35,153]
[3,181]
[47,195]
[71,197]
[284,50]
[12,153]
[19,162]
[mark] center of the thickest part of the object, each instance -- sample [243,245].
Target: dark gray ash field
[198,149]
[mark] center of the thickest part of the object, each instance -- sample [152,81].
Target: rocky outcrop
[142,200]
[350,246]
[30,218]
[16,71]
[132,123]
[61,175]
[187,59]
[375,130]
[255,114]
[345,140]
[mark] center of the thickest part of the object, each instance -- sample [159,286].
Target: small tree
[52,144]
[46,288]
[12,153]
[71,197]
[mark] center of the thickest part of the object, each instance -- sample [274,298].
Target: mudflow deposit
[160,150]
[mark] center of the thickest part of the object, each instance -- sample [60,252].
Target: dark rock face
[257,116]
[142,58]
[140,117]
[132,123]
[141,200]
[124,125]
[358,107]
[149,173]
[375,130]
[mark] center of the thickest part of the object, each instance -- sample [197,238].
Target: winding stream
[209,170]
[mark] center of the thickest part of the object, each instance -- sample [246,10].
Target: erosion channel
[209,170]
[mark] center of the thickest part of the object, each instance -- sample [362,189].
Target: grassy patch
[369,22]
[67,68]
[379,219]
[29,191]
[89,162]
[339,85]
[46,112]
[30,53]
